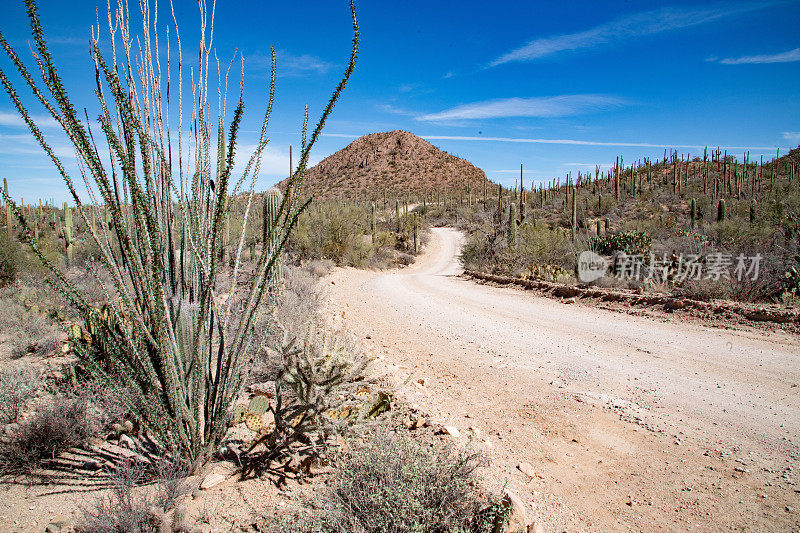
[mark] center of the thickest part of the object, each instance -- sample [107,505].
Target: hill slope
[395,162]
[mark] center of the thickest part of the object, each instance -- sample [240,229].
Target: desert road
[630,423]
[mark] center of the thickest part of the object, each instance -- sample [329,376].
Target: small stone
[55,526]
[212,480]
[518,521]
[126,442]
[452,431]
[536,527]
[263,389]
[527,469]
[789,508]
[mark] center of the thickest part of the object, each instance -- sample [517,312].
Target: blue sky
[558,87]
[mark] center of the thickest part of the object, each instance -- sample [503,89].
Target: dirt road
[630,423]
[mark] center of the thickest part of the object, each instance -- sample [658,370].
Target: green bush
[630,242]
[11,258]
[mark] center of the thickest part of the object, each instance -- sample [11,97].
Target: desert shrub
[392,483]
[132,508]
[18,384]
[27,329]
[630,242]
[11,259]
[55,427]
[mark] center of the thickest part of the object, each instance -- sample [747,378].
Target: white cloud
[550,106]
[784,57]
[288,64]
[792,136]
[13,119]
[627,27]
[389,108]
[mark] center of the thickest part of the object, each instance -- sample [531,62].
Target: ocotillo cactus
[721,210]
[693,212]
[512,224]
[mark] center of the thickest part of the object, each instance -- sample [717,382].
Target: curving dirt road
[630,423]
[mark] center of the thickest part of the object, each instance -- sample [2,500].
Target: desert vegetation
[661,212]
[183,304]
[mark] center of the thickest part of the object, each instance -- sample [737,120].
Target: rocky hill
[395,162]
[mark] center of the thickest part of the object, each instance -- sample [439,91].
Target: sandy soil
[630,423]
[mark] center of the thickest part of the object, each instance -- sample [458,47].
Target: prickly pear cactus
[237,415]
[253,421]
[258,405]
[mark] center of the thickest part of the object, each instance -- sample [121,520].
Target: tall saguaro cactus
[512,224]
[67,233]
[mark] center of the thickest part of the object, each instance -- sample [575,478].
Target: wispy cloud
[792,136]
[389,108]
[627,27]
[784,57]
[288,64]
[570,142]
[13,119]
[551,106]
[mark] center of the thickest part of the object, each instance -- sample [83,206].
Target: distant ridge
[395,162]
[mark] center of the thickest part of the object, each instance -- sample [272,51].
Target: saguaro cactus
[721,210]
[499,203]
[67,232]
[416,232]
[272,204]
[512,224]
[693,212]
[372,221]
[752,212]
[8,209]
[574,218]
